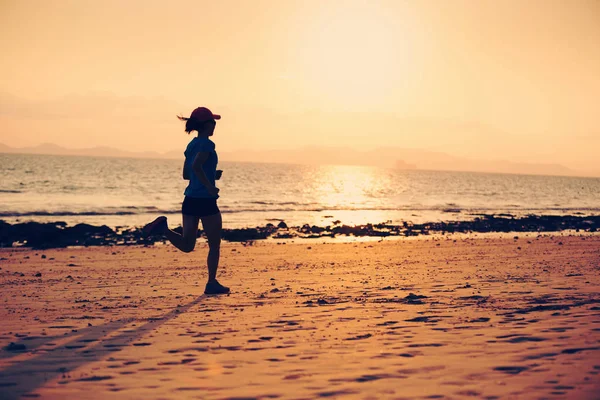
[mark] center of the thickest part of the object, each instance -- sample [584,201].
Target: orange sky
[507,80]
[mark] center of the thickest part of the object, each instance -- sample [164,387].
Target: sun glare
[351,55]
[339,185]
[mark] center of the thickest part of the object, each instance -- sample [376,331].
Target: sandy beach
[454,317]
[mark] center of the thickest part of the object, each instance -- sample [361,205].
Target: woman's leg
[212,225]
[187,241]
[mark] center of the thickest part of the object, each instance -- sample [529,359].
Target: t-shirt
[200,144]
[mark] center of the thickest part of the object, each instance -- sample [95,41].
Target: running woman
[201,194]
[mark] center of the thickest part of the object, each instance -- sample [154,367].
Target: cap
[202,114]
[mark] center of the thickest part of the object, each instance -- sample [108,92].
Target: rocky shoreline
[58,234]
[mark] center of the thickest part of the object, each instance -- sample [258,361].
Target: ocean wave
[44,213]
[141,210]
[281,203]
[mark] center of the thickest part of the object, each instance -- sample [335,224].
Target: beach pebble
[15,347]
[412,296]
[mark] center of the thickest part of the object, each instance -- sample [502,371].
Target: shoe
[214,287]
[156,227]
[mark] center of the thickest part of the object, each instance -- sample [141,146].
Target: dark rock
[15,347]
[284,235]
[245,234]
[412,296]
[57,234]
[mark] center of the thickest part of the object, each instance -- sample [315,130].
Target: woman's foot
[156,227]
[214,287]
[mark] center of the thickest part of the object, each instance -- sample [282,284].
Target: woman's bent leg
[187,241]
[212,225]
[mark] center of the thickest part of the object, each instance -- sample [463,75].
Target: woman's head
[202,127]
[202,120]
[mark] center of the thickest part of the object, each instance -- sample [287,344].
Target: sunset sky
[508,80]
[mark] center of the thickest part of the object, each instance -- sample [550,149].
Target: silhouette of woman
[201,194]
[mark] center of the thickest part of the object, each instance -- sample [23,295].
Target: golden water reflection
[352,186]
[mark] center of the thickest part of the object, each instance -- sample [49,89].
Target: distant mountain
[400,158]
[101,151]
[392,157]
[46,148]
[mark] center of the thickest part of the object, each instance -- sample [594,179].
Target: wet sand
[461,317]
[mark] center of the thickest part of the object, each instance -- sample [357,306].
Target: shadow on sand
[33,367]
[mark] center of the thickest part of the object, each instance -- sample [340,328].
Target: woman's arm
[186,172]
[200,159]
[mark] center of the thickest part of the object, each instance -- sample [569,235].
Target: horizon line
[131,155]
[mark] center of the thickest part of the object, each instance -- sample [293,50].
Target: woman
[201,194]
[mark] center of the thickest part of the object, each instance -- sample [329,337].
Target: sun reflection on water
[352,187]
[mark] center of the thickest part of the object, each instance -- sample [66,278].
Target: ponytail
[190,124]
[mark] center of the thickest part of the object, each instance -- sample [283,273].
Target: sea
[128,192]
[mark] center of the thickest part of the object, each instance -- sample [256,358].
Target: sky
[510,80]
